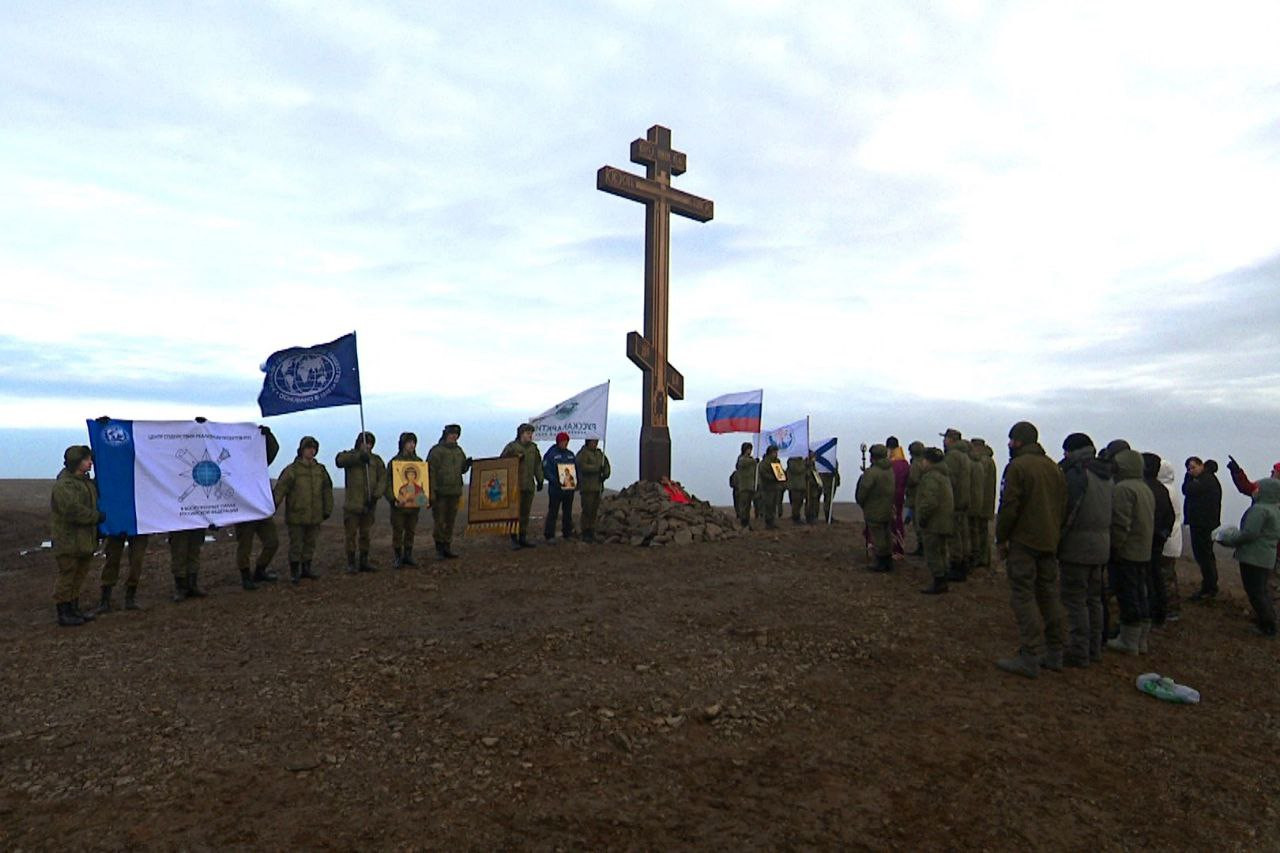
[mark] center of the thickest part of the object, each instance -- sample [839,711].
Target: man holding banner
[363,472]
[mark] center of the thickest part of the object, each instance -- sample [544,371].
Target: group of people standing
[760,485]
[305,490]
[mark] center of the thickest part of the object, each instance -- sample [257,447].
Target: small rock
[489,742]
[302,761]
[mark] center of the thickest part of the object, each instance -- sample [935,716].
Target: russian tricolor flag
[736,412]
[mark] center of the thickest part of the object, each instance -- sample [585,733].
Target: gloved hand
[1232,465]
[365,456]
[539,487]
[265,430]
[102,420]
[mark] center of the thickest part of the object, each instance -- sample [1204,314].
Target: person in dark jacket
[1084,548]
[559,497]
[1202,512]
[1157,602]
[1033,505]
[874,494]
[1133,513]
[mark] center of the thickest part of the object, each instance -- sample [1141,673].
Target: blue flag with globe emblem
[314,377]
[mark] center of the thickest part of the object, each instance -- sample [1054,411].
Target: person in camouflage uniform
[830,482]
[593,470]
[770,487]
[743,482]
[306,491]
[74,519]
[404,520]
[364,482]
[526,450]
[916,451]
[934,515]
[812,488]
[446,465]
[959,469]
[796,488]
[874,494]
[264,529]
[977,493]
[987,509]
[184,563]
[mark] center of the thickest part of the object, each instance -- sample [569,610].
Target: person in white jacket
[1172,546]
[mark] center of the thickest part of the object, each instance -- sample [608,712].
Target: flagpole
[604,437]
[755,442]
[367,495]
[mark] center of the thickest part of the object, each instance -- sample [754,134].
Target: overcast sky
[959,213]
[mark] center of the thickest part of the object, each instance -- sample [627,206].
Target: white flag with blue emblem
[161,476]
[791,439]
[584,415]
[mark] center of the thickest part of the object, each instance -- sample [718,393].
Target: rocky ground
[758,692]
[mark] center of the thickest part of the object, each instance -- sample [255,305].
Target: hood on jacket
[1210,466]
[1150,465]
[77,453]
[1269,491]
[1128,465]
[1166,473]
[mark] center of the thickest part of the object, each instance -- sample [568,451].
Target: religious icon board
[410,483]
[778,471]
[567,475]
[493,504]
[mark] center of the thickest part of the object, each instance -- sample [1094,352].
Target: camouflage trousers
[742,501]
[302,542]
[878,536]
[797,499]
[590,511]
[355,530]
[265,530]
[1080,589]
[184,552]
[1033,595]
[960,539]
[114,547]
[72,569]
[444,514]
[404,524]
[979,540]
[935,553]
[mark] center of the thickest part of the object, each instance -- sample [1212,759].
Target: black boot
[365,565]
[104,606]
[246,580]
[193,589]
[446,552]
[938,587]
[515,542]
[306,571]
[67,618]
[957,574]
[439,550]
[179,589]
[351,563]
[589,536]
[395,562]
[75,608]
[262,574]
[294,568]
[131,598]
[407,560]
[524,541]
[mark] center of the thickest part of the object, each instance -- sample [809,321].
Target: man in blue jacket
[559,497]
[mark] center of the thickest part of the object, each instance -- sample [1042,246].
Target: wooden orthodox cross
[649,351]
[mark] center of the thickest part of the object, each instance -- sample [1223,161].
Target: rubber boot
[262,574]
[295,569]
[1052,660]
[193,588]
[408,560]
[351,563]
[306,571]
[1025,665]
[938,587]
[364,564]
[396,560]
[246,580]
[1144,634]
[104,606]
[131,598]
[66,618]
[179,589]
[1127,642]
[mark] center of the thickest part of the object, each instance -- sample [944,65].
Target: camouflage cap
[951,432]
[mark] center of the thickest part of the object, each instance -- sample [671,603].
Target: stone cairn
[643,515]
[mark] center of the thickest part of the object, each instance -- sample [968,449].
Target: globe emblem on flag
[783,439]
[567,409]
[305,376]
[115,435]
[206,473]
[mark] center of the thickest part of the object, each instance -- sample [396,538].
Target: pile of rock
[642,514]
